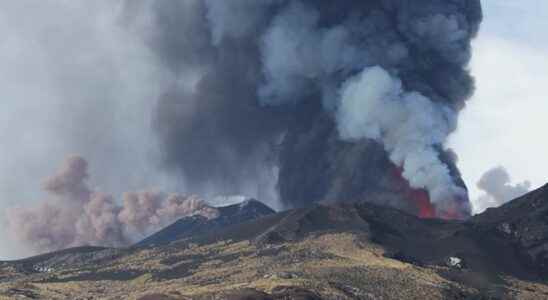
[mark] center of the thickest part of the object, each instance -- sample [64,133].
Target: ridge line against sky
[503,121]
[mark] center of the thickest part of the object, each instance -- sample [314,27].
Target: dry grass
[331,264]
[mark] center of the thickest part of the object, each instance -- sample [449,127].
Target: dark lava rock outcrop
[194,226]
[520,227]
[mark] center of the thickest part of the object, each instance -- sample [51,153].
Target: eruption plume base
[450,209]
[382,70]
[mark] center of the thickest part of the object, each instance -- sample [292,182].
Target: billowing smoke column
[75,215]
[288,101]
[335,100]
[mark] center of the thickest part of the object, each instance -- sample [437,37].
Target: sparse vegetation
[333,265]
[343,252]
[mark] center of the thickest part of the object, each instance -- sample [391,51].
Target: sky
[65,67]
[504,123]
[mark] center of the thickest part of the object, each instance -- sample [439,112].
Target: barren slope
[324,252]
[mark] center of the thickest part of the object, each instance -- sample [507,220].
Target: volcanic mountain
[345,251]
[198,225]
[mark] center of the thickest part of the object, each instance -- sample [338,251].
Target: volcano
[327,251]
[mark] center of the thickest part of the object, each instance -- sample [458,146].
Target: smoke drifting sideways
[74,80]
[328,100]
[75,215]
[498,189]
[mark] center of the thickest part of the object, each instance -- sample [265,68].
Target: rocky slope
[359,251]
[197,225]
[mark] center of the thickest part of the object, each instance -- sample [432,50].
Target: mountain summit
[196,225]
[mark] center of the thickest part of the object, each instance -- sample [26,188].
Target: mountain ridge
[345,251]
[187,226]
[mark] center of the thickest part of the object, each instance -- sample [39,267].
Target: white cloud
[523,20]
[505,122]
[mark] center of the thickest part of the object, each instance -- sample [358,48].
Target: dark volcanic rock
[278,293]
[22,294]
[294,293]
[161,297]
[511,239]
[474,255]
[248,294]
[67,258]
[520,226]
[319,218]
[197,225]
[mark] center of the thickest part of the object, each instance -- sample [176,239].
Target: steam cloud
[408,125]
[498,189]
[290,102]
[75,215]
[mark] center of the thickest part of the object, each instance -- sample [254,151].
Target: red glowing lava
[453,212]
[418,197]
[421,200]
[425,209]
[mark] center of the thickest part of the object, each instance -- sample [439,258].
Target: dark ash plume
[328,100]
[286,101]
[75,215]
[498,189]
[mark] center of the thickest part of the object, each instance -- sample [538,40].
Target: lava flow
[421,200]
[425,209]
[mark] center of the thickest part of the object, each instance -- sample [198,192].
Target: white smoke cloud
[374,106]
[498,188]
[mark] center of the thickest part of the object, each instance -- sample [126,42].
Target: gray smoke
[213,131]
[268,95]
[75,215]
[270,99]
[408,125]
[75,81]
[498,188]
